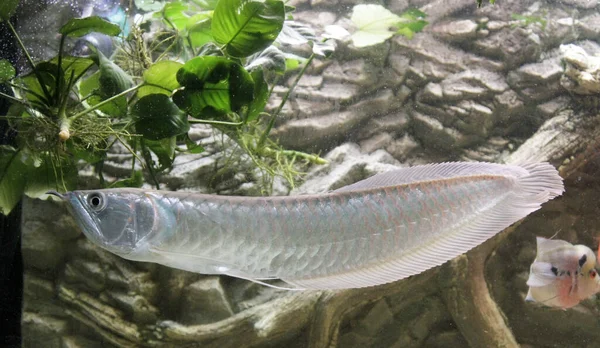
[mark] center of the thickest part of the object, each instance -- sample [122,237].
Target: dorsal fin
[431,172]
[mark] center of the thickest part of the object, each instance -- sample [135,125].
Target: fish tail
[540,185]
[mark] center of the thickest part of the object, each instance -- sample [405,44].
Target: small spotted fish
[562,274]
[384,228]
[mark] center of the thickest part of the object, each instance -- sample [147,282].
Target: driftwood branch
[334,306]
[462,280]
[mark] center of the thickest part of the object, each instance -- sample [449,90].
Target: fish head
[589,280]
[116,220]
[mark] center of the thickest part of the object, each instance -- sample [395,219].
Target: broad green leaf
[7,71]
[174,14]
[206,4]
[161,78]
[241,88]
[261,95]
[78,27]
[13,178]
[112,80]
[413,14]
[213,86]
[47,75]
[270,59]
[374,23]
[293,61]
[164,150]
[200,33]
[48,174]
[296,33]
[244,27]
[200,70]
[136,180]
[76,65]
[7,8]
[207,103]
[156,117]
[191,146]
[89,89]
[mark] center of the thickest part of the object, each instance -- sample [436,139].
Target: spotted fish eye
[593,273]
[96,201]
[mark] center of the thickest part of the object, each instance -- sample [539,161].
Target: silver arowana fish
[379,230]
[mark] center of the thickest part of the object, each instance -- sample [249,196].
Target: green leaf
[78,27]
[376,24]
[76,65]
[373,23]
[136,180]
[261,95]
[241,88]
[89,89]
[112,80]
[48,174]
[244,27]
[164,150]
[293,61]
[7,8]
[271,59]
[174,13]
[296,33]
[7,71]
[207,4]
[13,178]
[191,146]
[207,103]
[47,74]
[156,117]
[160,78]
[213,87]
[200,33]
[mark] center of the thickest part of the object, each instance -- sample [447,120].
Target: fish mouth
[56,193]
[76,206]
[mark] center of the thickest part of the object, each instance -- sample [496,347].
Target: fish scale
[381,229]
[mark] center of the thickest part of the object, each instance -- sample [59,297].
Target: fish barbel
[379,230]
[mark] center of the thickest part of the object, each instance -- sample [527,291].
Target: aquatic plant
[212,62]
[479,2]
[525,20]
[376,24]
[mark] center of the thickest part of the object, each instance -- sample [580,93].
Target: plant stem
[216,122]
[106,101]
[148,159]
[10,97]
[64,124]
[312,158]
[58,91]
[265,134]
[30,60]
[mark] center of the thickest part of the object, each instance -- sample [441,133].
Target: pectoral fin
[542,274]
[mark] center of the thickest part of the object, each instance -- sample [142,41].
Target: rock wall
[476,85]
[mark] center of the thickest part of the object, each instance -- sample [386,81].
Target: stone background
[475,85]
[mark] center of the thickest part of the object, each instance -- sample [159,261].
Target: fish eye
[593,273]
[96,201]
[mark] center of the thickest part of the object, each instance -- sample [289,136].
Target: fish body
[562,274]
[381,229]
